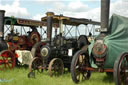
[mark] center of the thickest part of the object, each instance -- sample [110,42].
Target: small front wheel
[34,66]
[56,67]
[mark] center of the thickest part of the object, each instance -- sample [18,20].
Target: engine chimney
[49,25]
[3,44]
[99,50]
[104,15]
[2,12]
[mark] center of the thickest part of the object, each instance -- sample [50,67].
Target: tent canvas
[116,40]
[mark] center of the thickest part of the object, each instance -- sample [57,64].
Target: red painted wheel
[7,60]
[34,37]
[121,69]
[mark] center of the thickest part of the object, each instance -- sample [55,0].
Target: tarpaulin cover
[116,40]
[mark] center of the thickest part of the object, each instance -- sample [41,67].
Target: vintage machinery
[103,55]
[58,51]
[14,45]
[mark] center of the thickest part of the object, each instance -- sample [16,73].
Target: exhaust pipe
[3,44]
[49,25]
[105,4]
[2,12]
[99,50]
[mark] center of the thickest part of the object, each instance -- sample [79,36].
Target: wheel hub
[44,52]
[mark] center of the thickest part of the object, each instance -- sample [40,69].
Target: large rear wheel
[82,41]
[80,60]
[34,37]
[36,49]
[121,69]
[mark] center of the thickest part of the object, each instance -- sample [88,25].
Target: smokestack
[49,25]
[105,4]
[2,12]
[3,44]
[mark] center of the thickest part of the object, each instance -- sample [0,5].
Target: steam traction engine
[103,54]
[57,53]
[15,46]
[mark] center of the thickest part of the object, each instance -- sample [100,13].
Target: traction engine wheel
[7,60]
[82,41]
[121,69]
[56,67]
[80,60]
[36,49]
[34,66]
[34,37]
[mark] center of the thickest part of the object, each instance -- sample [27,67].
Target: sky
[35,9]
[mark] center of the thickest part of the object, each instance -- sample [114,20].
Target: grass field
[18,76]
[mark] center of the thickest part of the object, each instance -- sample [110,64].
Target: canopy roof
[70,20]
[23,22]
[43,22]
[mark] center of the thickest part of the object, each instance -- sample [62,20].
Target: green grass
[18,76]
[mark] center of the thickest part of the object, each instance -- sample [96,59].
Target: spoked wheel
[7,60]
[36,49]
[34,37]
[80,60]
[34,66]
[121,70]
[56,67]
